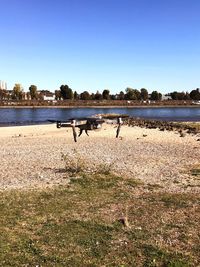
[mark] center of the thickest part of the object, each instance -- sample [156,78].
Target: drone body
[89,124]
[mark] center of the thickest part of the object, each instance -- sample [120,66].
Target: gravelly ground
[30,156]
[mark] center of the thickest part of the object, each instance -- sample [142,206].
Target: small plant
[104,168]
[125,219]
[74,163]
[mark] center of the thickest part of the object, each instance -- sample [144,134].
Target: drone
[90,123]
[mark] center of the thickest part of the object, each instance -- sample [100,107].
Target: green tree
[17,92]
[57,94]
[179,95]
[33,91]
[156,96]
[138,94]
[98,96]
[121,95]
[132,94]
[106,94]
[187,96]
[66,92]
[28,95]
[92,96]
[76,96]
[113,97]
[85,95]
[144,94]
[195,94]
[3,94]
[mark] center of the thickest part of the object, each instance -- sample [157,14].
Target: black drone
[90,124]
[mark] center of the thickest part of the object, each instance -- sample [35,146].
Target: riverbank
[31,156]
[97,103]
[106,106]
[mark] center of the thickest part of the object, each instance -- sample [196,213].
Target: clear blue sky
[101,44]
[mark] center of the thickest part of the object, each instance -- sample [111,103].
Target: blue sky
[101,44]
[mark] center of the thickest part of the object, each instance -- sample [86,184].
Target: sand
[30,156]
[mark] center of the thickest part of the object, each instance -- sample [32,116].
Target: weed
[104,168]
[74,163]
[133,182]
[174,200]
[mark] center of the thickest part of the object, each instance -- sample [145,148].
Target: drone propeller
[113,116]
[53,121]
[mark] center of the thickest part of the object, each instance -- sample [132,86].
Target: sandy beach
[31,156]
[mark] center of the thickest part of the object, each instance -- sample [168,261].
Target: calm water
[23,116]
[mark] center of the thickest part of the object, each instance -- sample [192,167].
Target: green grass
[195,172]
[195,125]
[79,225]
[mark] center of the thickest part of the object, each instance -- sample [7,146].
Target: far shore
[107,106]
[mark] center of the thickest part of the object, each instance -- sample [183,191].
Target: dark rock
[182,134]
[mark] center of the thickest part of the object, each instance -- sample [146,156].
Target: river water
[25,116]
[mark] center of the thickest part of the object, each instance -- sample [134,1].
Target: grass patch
[195,172]
[133,182]
[175,200]
[194,125]
[78,225]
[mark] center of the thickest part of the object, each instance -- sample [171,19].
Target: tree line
[65,92]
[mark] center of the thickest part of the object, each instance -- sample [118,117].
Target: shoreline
[150,120]
[117,106]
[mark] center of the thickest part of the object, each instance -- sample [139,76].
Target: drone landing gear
[118,130]
[81,131]
[119,121]
[74,134]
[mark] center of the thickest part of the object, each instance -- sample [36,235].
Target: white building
[47,95]
[3,85]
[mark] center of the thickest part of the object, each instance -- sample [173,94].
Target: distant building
[166,97]
[46,95]
[3,85]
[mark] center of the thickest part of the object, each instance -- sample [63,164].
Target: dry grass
[195,125]
[99,220]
